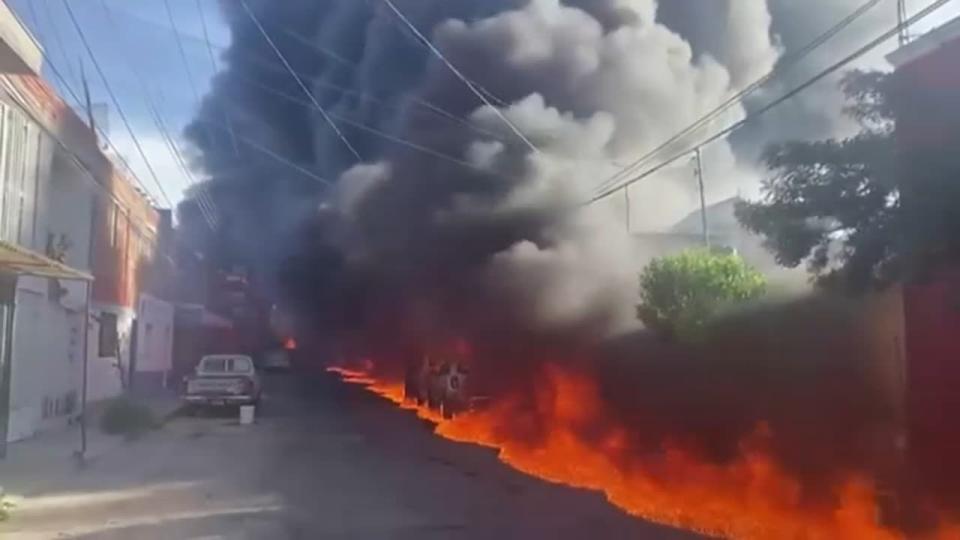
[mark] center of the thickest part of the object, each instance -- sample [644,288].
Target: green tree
[679,294]
[835,203]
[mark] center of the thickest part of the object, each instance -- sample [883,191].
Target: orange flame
[751,498]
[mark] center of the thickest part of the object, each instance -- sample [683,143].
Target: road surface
[324,461]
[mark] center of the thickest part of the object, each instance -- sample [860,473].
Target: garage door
[26,392]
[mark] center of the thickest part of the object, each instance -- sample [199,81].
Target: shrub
[681,293]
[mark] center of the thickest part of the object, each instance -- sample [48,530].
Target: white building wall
[47,357]
[154,335]
[51,201]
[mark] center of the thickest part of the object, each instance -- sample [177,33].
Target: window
[109,340]
[20,166]
[215,365]
[226,364]
[241,364]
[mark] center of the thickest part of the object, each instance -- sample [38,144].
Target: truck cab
[439,382]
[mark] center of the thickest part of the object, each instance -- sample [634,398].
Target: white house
[68,216]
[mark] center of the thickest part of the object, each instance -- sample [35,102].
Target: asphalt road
[325,460]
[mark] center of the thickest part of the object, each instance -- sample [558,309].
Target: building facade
[927,108]
[76,217]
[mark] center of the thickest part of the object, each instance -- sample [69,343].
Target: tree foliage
[680,293]
[835,204]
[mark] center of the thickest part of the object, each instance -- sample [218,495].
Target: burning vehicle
[440,382]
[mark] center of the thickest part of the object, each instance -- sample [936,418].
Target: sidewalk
[37,463]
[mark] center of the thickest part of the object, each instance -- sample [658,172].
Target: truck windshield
[225,365]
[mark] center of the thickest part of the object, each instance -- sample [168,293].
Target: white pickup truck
[223,380]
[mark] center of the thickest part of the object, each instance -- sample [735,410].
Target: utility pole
[703,197]
[904,34]
[626,200]
[81,454]
[88,104]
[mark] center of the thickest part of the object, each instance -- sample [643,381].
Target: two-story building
[81,276]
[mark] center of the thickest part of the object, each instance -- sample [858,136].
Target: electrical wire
[405,31]
[429,107]
[116,102]
[300,83]
[426,106]
[833,68]
[785,64]
[207,206]
[48,61]
[374,131]
[463,78]
[69,152]
[186,64]
[216,69]
[264,150]
[182,51]
[253,145]
[57,38]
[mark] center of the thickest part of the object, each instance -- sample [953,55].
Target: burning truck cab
[440,381]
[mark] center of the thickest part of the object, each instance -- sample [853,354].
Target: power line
[782,66]
[182,51]
[116,102]
[204,201]
[428,106]
[216,69]
[463,78]
[922,14]
[405,31]
[183,54]
[300,82]
[69,151]
[48,61]
[207,207]
[263,149]
[57,38]
[205,198]
[382,134]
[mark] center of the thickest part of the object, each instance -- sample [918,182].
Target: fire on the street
[751,498]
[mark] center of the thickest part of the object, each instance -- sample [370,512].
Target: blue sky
[145,34]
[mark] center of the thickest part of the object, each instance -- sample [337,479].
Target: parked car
[223,380]
[276,360]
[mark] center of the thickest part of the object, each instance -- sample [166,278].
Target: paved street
[325,460]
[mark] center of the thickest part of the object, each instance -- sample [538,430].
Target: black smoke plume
[451,226]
